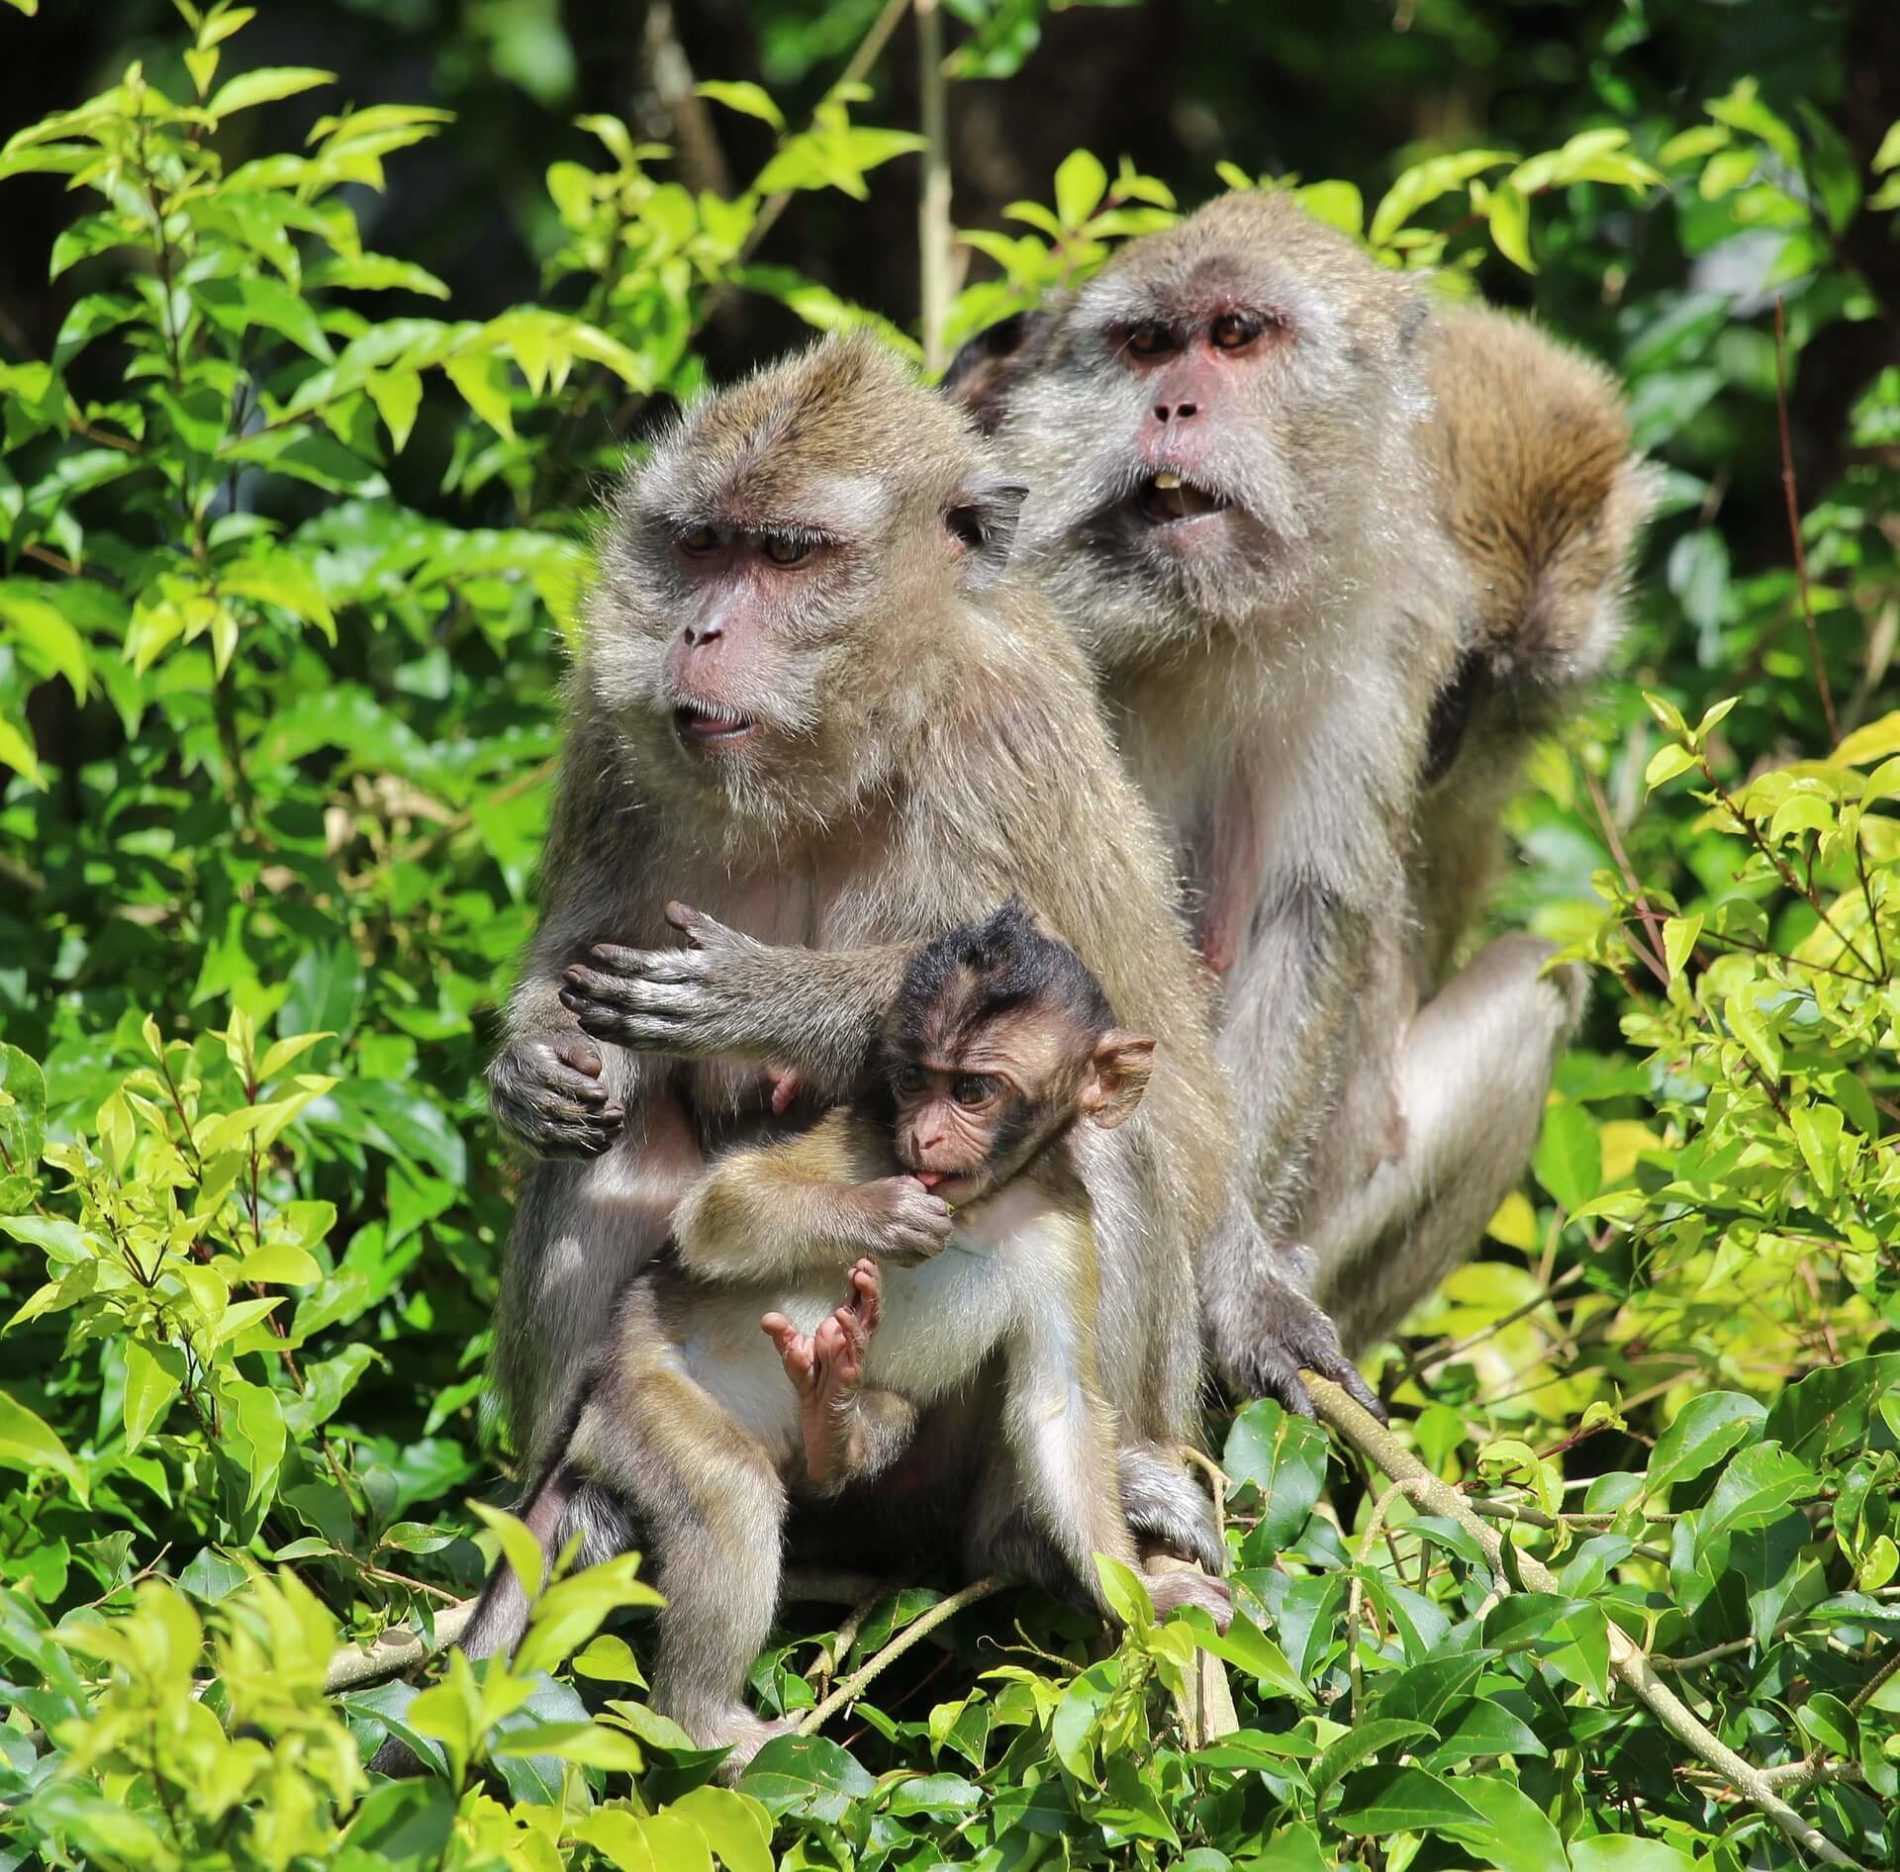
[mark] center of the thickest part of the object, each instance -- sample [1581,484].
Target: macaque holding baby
[950,1200]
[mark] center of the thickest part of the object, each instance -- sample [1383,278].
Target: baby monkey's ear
[1117,1077]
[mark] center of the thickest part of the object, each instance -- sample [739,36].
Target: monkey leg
[1475,1070]
[710,1502]
[849,1433]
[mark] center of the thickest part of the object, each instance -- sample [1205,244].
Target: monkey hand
[904,1223]
[706,999]
[1288,1333]
[548,1093]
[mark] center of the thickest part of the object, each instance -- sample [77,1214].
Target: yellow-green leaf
[750,99]
[42,627]
[28,1442]
[1874,741]
[519,1547]
[1680,935]
[16,751]
[153,1377]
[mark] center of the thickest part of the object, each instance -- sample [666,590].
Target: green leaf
[1510,217]
[1284,1457]
[1400,1800]
[1665,764]
[16,751]
[519,1547]
[1755,1489]
[154,1375]
[267,85]
[753,100]
[1361,1743]
[1623,1852]
[50,639]
[1703,1433]
[1871,742]
[28,1442]
[1828,1411]
[1569,1157]
[1680,936]
[1081,182]
[1518,1836]
[739,1830]
[1126,1594]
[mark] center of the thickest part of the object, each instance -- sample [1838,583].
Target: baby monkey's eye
[1234,331]
[973,1089]
[783,550]
[699,541]
[1151,339]
[909,1082]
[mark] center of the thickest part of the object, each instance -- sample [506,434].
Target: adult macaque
[1335,559]
[805,703]
[1000,1062]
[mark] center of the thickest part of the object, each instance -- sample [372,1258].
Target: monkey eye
[784,550]
[1234,331]
[699,541]
[973,1089]
[909,1081]
[1151,338]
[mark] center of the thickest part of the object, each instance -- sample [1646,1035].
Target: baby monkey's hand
[826,1367]
[904,1223]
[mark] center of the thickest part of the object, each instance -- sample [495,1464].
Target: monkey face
[1206,420]
[742,638]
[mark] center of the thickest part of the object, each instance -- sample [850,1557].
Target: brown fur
[931,747]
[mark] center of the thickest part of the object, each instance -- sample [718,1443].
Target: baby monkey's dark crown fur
[1006,962]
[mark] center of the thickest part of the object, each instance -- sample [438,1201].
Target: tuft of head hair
[969,976]
[846,409]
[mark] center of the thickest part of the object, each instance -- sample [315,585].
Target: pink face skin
[947,1123]
[740,587]
[1192,372]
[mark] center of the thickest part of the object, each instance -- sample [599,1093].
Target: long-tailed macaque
[1336,557]
[733,1369]
[807,703]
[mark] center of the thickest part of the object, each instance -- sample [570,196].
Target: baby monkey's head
[1000,1040]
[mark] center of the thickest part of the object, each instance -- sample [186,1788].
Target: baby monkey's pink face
[970,1117]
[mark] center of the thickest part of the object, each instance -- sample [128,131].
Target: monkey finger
[579,1057]
[695,925]
[1346,1375]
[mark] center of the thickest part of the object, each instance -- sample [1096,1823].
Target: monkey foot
[741,1734]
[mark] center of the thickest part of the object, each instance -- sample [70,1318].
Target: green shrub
[290,555]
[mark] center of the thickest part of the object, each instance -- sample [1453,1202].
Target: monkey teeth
[1167,496]
[701,724]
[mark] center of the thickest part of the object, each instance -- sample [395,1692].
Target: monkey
[1336,557]
[999,1046]
[808,701]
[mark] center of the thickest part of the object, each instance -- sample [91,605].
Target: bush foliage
[290,552]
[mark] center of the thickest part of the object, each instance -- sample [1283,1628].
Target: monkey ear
[982,518]
[984,368]
[1118,1076]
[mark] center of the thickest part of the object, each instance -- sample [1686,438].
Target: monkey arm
[1290,1003]
[815,1201]
[724,993]
[550,1086]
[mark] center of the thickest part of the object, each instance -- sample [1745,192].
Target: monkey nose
[1176,412]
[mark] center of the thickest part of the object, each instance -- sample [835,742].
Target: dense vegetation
[294,529]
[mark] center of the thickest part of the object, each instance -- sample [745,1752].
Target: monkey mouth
[1168,497]
[711,725]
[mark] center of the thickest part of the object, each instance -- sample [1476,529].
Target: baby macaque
[950,1200]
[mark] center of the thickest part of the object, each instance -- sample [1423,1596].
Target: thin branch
[934,235]
[1365,1434]
[1653,956]
[1793,498]
[853,1686]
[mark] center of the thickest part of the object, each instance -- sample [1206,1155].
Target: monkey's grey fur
[1427,522]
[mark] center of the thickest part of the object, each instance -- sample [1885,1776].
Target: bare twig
[1793,498]
[921,1627]
[1627,1660]
[933,209]
[1655,954]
